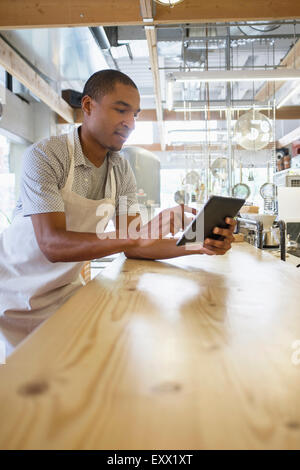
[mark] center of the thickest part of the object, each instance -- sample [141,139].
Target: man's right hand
[168,221]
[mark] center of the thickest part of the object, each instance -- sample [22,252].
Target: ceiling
[66,57]
[151,54]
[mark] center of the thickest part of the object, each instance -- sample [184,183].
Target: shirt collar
[79,158]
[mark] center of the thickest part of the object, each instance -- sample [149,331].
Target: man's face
[111,119]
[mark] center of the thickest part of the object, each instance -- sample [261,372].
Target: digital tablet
[212,215]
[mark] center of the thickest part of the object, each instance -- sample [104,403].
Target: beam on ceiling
[215,76]
[193,148]
[146,13]
[18,68]
[290,61]
[286,112]
[146,10]
[289,138]
[63,13]
[152,46]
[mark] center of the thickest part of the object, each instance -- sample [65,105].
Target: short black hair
[103,82]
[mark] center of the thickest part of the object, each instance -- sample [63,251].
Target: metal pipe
[264,67]
[232,24]
[99,34]
[282,227]
[259,229]
[100,37]
[245,37]
[228,104]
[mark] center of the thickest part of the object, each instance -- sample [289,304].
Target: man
[71,185]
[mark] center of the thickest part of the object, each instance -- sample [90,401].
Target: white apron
[31,287]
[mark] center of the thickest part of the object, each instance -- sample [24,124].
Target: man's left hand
[220,247]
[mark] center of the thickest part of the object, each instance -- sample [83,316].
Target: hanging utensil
[181,197]
[268,192]
[241,190]
[192,177]
[250,175]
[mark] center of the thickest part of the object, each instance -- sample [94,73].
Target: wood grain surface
[198,352]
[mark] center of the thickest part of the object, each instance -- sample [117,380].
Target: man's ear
[86,104]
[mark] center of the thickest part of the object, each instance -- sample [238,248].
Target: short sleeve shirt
[45,169]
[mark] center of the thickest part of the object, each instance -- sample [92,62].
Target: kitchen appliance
[295,148]
[288,178]
[289,212]
[270,233]
[293,238]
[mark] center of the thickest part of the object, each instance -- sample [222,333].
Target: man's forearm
[64,246]
[161,249]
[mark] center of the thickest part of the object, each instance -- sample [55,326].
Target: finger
[225,232]
[222,244]
[231,222]
[215,250]
[217,244]
[208,252]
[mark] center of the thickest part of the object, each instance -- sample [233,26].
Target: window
[142,134]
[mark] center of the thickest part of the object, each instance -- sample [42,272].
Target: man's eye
[122,111]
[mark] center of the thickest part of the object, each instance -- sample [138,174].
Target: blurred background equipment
[146,169]
[191,185]
[241,190]
[268,192]
[253,130]
[181,197]
[219,170]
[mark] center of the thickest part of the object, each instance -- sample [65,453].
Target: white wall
[17,119]
[23,124]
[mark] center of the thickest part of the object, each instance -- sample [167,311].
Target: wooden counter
[197,352]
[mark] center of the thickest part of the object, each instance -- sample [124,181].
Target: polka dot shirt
[45,170]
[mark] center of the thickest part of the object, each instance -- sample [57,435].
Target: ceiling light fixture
[288,96]
[168,3]
[219,108]
[236,75]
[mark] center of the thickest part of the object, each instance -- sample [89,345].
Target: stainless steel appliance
[268,235]
[288,178]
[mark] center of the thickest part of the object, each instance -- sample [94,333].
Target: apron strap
[71,147]
[113,184]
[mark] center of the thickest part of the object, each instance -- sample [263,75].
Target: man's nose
[129,122]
